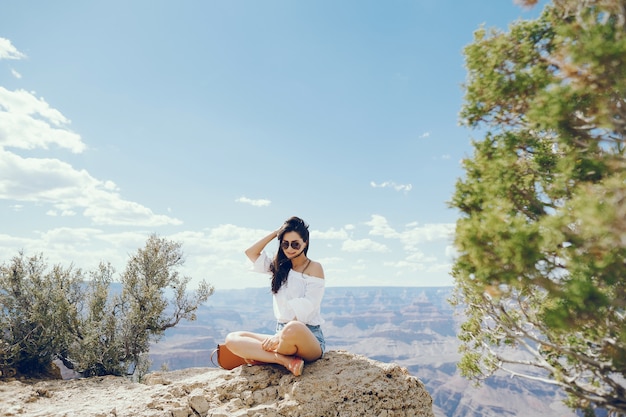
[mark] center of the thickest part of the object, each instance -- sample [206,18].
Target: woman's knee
[232,337]
[293,330]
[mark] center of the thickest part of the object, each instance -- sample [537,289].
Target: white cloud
[404,265]
[416,234]
[331,261]
[51,181]
[28,122]
[392,184]
[8,51]
[112,210]
[16,74]
[217,255]
[420,257]
[231,238]
[441,268]
[451,252]
[83,248]
[424,135]
[380,227]
[363,245]
[64,213]
[256,203]
[331,234]
[413,239]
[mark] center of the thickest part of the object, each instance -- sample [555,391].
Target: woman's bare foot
[296,365]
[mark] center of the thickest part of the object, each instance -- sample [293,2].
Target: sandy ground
[103,396]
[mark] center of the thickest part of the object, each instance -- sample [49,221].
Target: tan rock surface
[340,384]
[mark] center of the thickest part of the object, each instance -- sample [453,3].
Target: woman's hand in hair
[254,251]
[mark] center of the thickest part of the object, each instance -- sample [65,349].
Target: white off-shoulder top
[299,298]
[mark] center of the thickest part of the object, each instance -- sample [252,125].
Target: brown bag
[226,359]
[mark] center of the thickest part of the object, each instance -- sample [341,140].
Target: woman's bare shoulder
[315,270]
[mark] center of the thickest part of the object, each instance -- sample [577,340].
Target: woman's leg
[248,345]
[297,339]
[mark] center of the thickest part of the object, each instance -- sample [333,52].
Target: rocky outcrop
[340,384]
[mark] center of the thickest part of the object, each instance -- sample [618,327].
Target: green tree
[38,314]
[541,238]
[88,324]
[97,349]
[118,328]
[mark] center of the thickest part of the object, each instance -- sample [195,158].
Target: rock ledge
[340,384]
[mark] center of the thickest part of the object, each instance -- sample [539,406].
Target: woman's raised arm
[254,251]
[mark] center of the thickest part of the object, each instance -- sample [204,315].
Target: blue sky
[211,122]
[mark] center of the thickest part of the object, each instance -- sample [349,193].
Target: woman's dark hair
[281,264]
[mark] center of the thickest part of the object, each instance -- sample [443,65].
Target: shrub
[45,315]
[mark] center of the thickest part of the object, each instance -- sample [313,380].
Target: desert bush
[38,313]
[60,314]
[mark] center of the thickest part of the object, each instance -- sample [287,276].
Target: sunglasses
[295,244]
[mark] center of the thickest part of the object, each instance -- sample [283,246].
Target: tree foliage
[38,313]
[87,323]
[541,265]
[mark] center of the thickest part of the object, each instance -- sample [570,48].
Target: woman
[298,288]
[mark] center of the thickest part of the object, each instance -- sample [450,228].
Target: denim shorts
[316,330]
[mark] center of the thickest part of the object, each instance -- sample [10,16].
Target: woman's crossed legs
[288,347]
